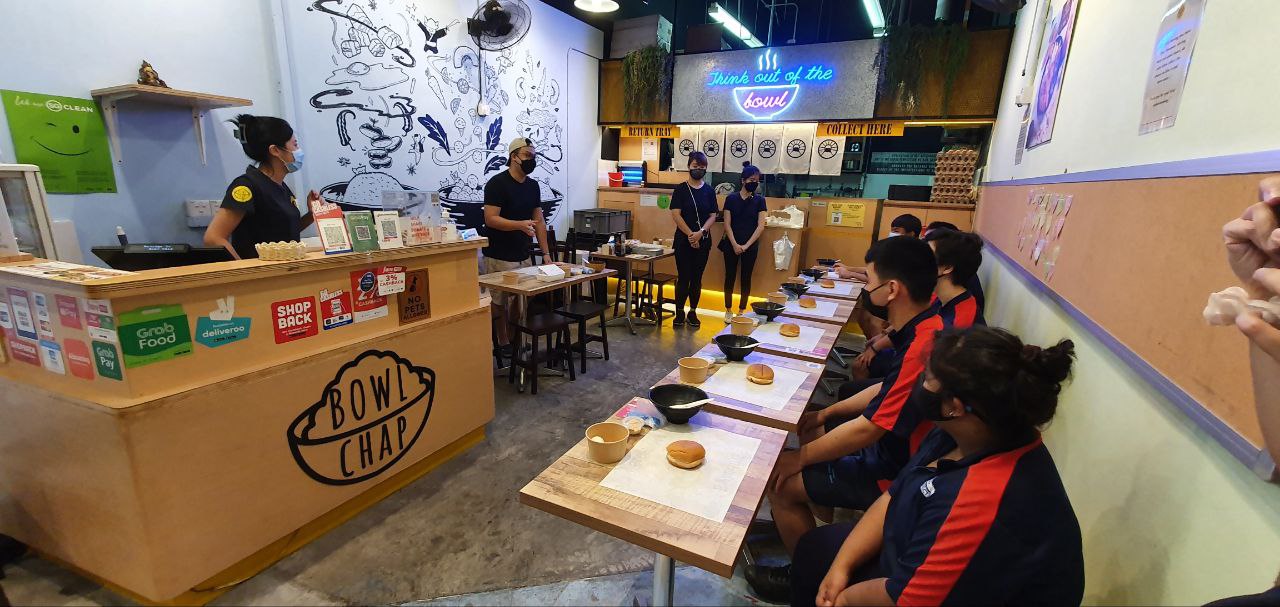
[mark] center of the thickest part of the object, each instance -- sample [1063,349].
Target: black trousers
[734,264]
[690,263]
[815,552]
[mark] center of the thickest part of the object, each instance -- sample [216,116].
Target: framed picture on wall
[1055,48]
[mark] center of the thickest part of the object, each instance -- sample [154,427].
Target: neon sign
[763,95]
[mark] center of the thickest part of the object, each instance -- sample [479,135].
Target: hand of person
[864,360]
[695,236]
[1253,240]
[809,421]
[1257,330]
[527,227]
[738,249]
[789,465]
[832,585]
[313,198]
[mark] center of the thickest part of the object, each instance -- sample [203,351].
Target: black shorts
[843,483]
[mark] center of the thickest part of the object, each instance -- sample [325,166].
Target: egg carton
[281,251]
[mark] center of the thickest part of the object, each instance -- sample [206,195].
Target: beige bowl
[778,297]
[694,369]
[596,267]
[612,445]
[742,325]
[510,278]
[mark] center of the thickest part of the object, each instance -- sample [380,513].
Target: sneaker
[772,584]
[728,317]
[693,320]
[678,319]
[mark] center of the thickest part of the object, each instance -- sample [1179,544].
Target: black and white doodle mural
[391,90]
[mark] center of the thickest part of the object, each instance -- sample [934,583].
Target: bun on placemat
[808,302]
[789,329]
[827,283]
[759,373]
[795,280]
[686,454]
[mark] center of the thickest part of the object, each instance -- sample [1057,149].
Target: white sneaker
[728,317]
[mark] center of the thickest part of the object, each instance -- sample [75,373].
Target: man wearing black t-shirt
[513,216]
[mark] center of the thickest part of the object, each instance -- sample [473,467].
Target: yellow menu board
[847,214]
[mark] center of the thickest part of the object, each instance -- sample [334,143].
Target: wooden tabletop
[787,418]
[642,259]
[529,285]
[570,488]
[855,290]
[830,333]
[844,311]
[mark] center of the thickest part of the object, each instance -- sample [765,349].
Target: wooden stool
[545,325]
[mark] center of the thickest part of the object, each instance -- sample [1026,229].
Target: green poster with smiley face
[64,136]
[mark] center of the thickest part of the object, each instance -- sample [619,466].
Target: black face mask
[875,309]
[926,402]
[751,186]
[528,165]
[697,174]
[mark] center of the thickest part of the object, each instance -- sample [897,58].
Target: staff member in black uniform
[694,207]
[258,207]
[513,219]
[979,515]
[744,213]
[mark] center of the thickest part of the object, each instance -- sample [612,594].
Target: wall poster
[65,137]
[1170,62]
[1053,66]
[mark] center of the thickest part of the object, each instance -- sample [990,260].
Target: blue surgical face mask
[296,165]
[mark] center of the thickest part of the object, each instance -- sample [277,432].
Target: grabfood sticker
[366,419]
[154,334]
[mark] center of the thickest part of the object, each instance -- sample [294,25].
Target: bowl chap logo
[367,418]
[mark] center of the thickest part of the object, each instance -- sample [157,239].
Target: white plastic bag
[782,251]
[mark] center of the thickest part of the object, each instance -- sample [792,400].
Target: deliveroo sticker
[221,326]
[154,334]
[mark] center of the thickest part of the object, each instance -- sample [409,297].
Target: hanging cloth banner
[687,142]
[712,136]
[797,147]
[828,156]
[737,146]
[766,149]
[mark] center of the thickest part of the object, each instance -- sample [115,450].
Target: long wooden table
[786,418]
[844,311]
[570,488]
[817,354]
[847,290]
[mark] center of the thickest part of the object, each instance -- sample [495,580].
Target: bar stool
[545,325]
[657,282]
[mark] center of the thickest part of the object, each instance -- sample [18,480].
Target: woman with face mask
[979,515]
[258,207]
[694,208]
[744,213]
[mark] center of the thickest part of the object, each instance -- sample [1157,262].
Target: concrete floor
[459,530]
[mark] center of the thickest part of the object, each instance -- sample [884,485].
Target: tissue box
[550,273]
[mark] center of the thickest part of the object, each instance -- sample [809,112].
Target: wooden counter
[202,440]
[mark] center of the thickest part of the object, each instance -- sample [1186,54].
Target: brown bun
[758,373]
[795,280]
[686,454]
[789,329]
[808,302]
[827,283]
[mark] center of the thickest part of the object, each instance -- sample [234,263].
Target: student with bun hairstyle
[258,207]
[979,516]
[744,213]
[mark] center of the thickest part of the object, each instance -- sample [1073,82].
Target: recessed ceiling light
[596,6]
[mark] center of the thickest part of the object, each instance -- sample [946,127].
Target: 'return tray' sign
[367,419]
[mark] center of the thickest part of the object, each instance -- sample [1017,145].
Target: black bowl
[814,273]
[767,309]
[795,288]
[668,395]
[827,261]
[735,346]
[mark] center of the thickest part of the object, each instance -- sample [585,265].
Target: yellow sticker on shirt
[241,193]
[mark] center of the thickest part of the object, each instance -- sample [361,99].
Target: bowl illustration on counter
[366,419]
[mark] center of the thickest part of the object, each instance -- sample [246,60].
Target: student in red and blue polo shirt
[979,516]
[959,256]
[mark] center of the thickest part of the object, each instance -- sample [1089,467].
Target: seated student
[905,225]
[843,467]
[979,516]
[939,225]
[902,225]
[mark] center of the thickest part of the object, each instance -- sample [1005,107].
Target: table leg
[522,306]
[657,314]
[664,580]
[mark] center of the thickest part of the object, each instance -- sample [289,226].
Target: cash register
[155,256]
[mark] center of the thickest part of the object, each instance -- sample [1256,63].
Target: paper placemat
[706,491]
[807,341]
[826,309]
[730,381]
[841,288]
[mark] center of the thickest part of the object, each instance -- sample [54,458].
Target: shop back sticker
[294,319]
[154,334]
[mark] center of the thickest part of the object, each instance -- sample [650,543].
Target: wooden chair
[544,325]
[580,311]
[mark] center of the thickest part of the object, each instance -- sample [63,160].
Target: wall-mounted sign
[862,128]
[366,419]
[803,82]
[153,334]
[650,130]
[903,163]
[847,214]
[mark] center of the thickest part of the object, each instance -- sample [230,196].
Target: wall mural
[392,88]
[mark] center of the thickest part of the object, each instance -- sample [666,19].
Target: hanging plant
[646,81]
[910,51]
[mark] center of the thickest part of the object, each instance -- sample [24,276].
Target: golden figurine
[148,76]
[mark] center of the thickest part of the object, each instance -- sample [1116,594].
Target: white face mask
[892,234]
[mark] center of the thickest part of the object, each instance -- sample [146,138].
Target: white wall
[1226,108]
[71,47]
